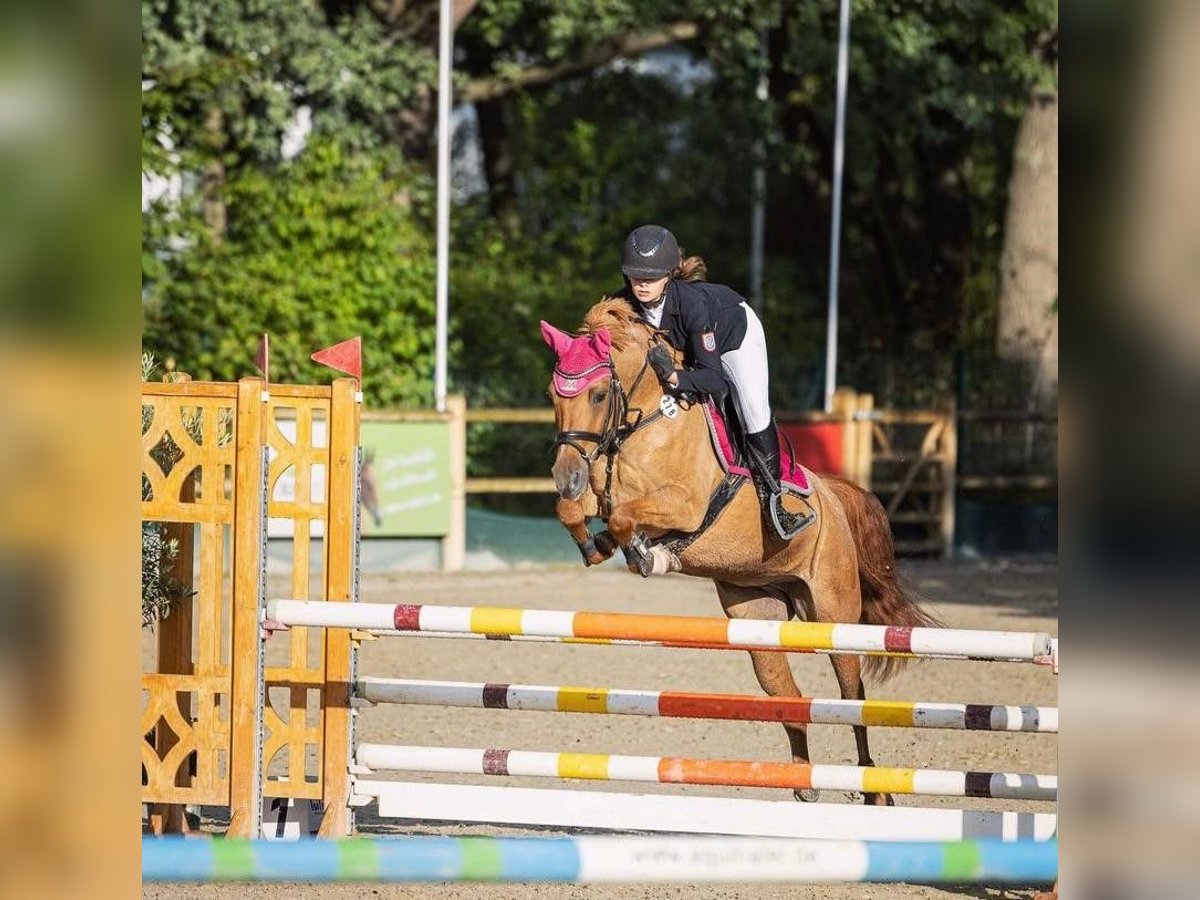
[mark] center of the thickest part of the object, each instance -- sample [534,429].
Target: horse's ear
[556,340]
[601,342]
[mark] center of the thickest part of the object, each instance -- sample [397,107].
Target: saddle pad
[793,475]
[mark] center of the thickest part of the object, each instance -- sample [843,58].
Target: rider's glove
[661,362]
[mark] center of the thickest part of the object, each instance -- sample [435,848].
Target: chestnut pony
[653,473]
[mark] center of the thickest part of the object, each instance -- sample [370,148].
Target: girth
[722,495]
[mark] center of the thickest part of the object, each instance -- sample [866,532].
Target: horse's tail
[884,600]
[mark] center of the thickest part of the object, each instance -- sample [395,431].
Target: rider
[723,346]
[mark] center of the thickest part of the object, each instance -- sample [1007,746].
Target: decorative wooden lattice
[188,449]
[302,424]
[202,462]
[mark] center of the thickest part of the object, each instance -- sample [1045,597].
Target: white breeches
[746,368]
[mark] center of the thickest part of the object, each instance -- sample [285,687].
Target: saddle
[780,475]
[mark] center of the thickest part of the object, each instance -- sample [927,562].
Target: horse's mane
[624,325]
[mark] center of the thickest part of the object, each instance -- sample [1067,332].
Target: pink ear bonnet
[581,360]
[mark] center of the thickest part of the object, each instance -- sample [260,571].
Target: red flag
[345,357]
[262,359]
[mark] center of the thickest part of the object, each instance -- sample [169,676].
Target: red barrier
[819,446]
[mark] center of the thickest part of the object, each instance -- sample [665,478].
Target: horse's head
[595,377]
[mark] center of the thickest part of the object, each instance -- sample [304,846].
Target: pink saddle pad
[794,475]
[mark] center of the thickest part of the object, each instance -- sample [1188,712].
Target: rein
[617,429]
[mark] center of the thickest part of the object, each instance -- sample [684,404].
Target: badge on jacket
[709,340]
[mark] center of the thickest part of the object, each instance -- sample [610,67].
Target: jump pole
[731,634]
[600,810]
[1051,660]
[677,704]
[681,770]
[596,860]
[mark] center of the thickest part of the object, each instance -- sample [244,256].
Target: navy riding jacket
[703,320]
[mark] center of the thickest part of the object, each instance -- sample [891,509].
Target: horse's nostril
[570,484]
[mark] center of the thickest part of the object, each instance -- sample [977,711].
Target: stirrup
[789,524]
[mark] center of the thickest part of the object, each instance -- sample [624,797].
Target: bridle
[617,428]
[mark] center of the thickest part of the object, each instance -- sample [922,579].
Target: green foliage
[936,91]
[256,64]
[502,287]
[160,593]
[316,251]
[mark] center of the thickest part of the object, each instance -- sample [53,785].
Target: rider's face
[649,290]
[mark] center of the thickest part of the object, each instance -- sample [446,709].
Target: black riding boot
[763,449]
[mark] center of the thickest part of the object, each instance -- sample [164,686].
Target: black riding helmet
[650,252]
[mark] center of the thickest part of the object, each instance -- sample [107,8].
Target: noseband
[617,429]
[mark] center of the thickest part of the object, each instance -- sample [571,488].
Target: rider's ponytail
[690,268]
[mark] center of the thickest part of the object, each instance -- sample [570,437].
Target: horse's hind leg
[848,670]
[772,670]
[834,594]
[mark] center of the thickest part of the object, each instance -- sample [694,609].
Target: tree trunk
[212,184]
[1159,230]
[416,128]
[1028,320]
[495,142]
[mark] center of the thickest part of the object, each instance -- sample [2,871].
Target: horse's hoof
[807,795]
[878,800]
[638,558]
[605,543]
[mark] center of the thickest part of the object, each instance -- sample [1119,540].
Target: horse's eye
[597,396]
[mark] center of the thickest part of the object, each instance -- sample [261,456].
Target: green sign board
[405,479]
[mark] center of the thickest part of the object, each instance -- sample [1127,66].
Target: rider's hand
[662,363]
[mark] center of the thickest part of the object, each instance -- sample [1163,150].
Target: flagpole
[445,39]
[835,224]
[758,191]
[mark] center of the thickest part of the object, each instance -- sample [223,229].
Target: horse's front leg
[594,548]
[660,509]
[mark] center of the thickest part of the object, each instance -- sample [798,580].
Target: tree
[315,252]
[1027,324]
